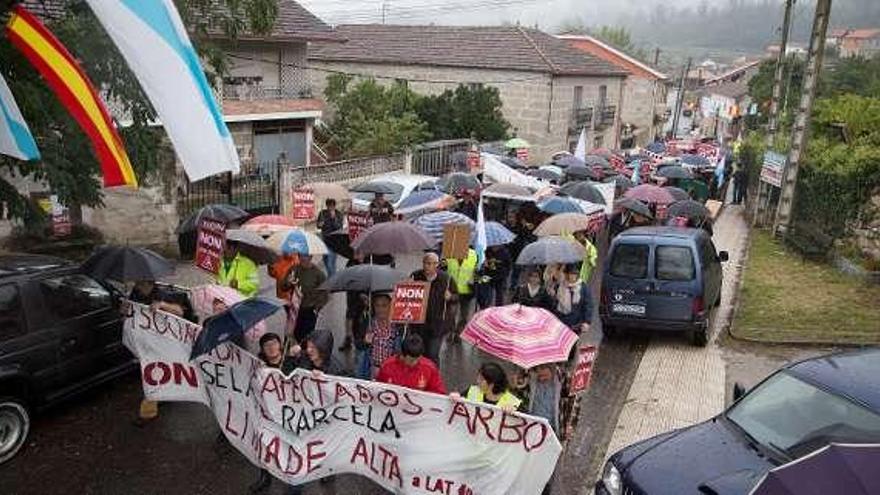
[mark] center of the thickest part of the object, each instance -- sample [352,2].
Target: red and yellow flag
[76,92]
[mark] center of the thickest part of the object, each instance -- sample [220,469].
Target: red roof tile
[259,107]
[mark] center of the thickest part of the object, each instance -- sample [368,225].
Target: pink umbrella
[268,224]
[523,335]
[651,194]
[203,298]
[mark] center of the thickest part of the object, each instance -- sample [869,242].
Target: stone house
[267,104]
[725,100]
[549,90]
[860,43]
[643,109]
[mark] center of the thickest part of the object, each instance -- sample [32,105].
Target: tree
[68,164]
[467,111]
[761,89]
[371,119]
[620,38]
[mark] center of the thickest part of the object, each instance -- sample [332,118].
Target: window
[630,261]
[603,96]
[598,141]
[674,263]
[708,256]
[69,296]
[578,97]
[11,323]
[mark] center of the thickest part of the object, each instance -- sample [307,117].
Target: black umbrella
[339,243]
[375,187]
[221,212]
[127,264]
[633,205]
[569,161]
[583,190]
[678,193]
[596,160]
[458,181]
[512,162]
[391,238]
[620,182]
[551,249]
[543,173]
[674,172]
[689,209]
[591,172]
[364,278]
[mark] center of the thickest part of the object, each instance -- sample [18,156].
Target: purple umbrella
[836,468]
[393,237]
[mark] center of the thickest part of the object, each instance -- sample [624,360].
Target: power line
[376,76]
[400,12]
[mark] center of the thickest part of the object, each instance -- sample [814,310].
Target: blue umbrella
[695,160]
[559,205]
[433,223]
[420,198]
[496,234]
[656,147]
[230,325]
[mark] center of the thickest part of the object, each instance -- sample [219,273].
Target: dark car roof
[853,374]
[667,232]
[23,264]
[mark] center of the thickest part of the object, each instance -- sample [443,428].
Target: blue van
[663,278]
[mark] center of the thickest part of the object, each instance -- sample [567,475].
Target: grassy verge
[786,299]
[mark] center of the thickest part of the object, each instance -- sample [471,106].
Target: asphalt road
[91,446]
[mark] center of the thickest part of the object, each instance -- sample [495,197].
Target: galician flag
[580,150]
[15,137]
[480,243]
[153,40]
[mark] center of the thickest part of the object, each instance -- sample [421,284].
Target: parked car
[60,334]
[795,411]
[402,184]
[663,278]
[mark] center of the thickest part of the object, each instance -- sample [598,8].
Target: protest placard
[583,371]
[456,241]
[306,426]
[409,302]
[210,240]
[358,221]
[303,203]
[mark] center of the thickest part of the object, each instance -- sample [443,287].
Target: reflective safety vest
[244,271]
[507,399]
[463,274]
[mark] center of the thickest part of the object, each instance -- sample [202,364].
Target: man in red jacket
[412,370]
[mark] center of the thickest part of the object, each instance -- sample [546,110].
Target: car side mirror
[739,390]
[723,256]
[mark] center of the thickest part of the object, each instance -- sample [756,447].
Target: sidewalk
[677,384]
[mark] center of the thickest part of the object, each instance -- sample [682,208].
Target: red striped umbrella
[523,335]
[650,194]
[268,224]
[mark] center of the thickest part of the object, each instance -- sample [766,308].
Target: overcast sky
[546,13]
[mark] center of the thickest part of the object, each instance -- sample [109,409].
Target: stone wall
[642,97]
[142,217]
[526,96]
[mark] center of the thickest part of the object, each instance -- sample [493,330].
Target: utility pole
[763,197]
[801,122]
[384,10]
[656,56]
[679,100]
[777,79]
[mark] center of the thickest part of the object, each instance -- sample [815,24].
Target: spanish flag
[67,79]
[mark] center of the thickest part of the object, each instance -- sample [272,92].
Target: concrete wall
[526,96]
[142,217]
[279,65]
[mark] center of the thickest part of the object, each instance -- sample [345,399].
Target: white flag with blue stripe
[480,242]
[153,40]
[15,137]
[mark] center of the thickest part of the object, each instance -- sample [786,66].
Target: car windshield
[392,198]
[794,417]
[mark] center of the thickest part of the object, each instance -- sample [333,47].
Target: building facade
[859,43]
[643,106]
[549,91]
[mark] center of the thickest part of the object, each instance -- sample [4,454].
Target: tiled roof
[863,33]
[293,23]
[612,55]
[491,47]
[233,108]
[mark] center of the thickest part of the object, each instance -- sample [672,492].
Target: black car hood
[708,458]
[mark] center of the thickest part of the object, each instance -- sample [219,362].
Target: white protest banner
[306,426]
